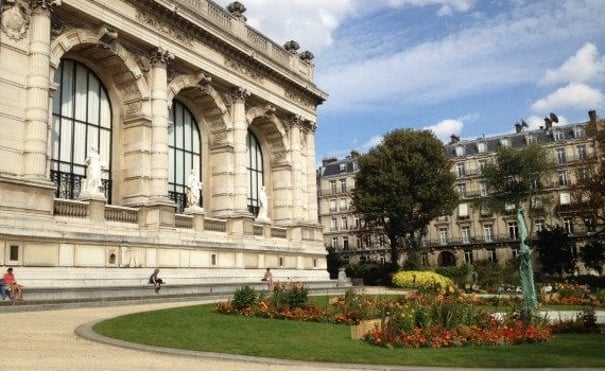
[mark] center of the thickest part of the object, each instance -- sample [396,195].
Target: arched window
[255,172]
[81,121]
[183,153]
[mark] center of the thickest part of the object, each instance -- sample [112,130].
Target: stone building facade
[469,234]
[154,95]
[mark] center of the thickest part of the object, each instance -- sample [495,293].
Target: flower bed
[441,318]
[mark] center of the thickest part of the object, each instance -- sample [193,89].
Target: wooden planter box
[365,326]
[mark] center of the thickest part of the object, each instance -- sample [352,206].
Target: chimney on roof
[354,153]
[328,160]
[518,128]
[592,115]
[547,123]
[454,139]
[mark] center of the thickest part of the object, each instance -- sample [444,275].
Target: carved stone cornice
[299,98]
[244,69]
[164,27]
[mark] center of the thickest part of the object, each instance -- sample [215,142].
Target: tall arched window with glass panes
[81,122]
[255,172]
[184,153]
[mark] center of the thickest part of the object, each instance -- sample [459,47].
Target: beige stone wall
[145,54]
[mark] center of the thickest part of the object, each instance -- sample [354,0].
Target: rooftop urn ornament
[292,46]
[307,56]
[237,9]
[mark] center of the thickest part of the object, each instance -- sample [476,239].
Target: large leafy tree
[402,184]
[593,256]
[555,248]
[516,179]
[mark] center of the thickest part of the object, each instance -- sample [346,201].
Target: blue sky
[464,67]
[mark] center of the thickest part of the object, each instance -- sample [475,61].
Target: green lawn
[199,328]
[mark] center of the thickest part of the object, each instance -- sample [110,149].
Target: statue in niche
[194,188]
[263,204]
[94,169]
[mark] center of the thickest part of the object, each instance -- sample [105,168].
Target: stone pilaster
[310,174]
[38,82]
[240,131]
[298,163]
[159,125]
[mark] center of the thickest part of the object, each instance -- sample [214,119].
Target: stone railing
[215,225]
[258,230]
[70,208]
[121,214]
[217,15]
[183,221]
[279,232]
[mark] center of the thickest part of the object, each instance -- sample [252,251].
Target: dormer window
[481,147]
[578,132]
[505,142]
[558,135]
[531,139]
[460,151]
[343,168]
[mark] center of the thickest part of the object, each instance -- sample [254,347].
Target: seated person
[155,281]
[10,281]
[4,291]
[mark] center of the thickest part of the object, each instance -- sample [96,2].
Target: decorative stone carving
[15,20]
[164,27]
[239,94]
[243,69]
[161,56]
[45,4]
[292,46]
[107,38]
[143,62]
[299,99]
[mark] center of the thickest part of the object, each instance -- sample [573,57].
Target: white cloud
[573,95]
[583,66]
[373,142]
[445,128]
[446,7]
[310,22]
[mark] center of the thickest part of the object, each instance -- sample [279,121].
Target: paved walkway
[47,340]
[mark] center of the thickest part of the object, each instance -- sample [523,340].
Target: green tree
[402,184]
[593,256]
[516,179]
[555,251]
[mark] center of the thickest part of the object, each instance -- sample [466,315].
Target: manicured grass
[199,328]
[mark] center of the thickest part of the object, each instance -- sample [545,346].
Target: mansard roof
[516,140]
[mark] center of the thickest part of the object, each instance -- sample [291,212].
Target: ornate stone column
[240,132]
[38,82]
[159,209]
[298,163]
[159,125]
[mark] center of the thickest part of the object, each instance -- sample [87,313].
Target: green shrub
[460,275]
[244,297]
[422,280]
[292,294]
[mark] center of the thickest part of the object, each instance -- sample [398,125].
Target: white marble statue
[93,185]
[194,187]
[263,204]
